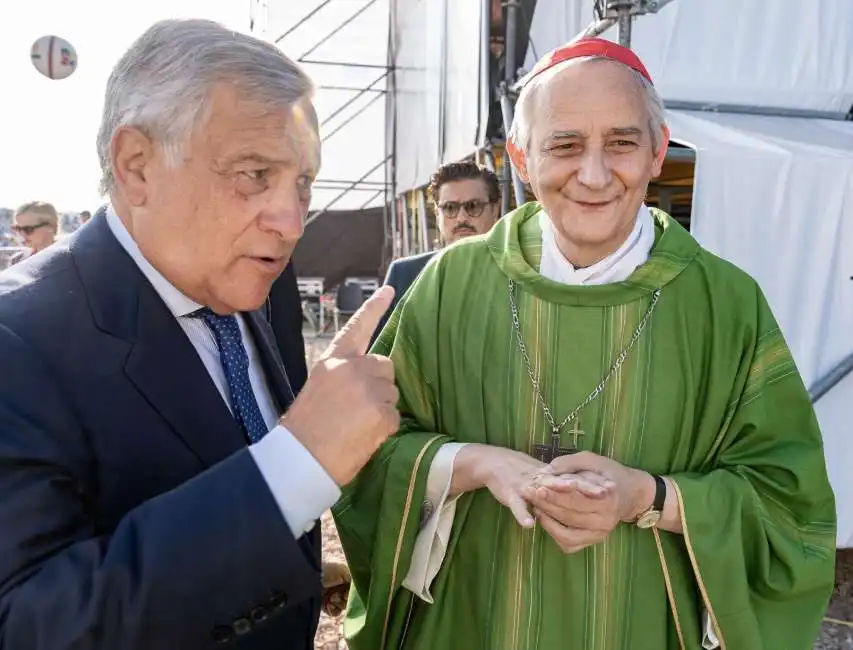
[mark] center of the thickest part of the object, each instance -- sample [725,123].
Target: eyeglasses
[28,230]
[473,208]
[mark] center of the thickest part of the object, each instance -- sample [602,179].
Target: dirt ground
[330,636]
[836,633]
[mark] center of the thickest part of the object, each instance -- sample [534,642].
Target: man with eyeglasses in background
[466,198]
[36,223]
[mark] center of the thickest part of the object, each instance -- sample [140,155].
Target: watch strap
[660,493]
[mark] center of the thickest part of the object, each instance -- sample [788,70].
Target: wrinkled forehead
[589,95]
[236,125]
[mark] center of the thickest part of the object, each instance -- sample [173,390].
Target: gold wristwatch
[649,518]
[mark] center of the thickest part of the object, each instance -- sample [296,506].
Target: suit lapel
[165,367]
[163,364]
[274,371]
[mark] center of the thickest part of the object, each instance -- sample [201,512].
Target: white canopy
[774,195]
[778,53]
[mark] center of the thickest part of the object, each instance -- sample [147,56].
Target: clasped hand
[578,499]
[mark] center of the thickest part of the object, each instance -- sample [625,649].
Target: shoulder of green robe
[467,252]
[738,296]
[723,280]
[740,299]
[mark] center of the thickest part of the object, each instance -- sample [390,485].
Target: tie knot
[217,322]
[207,314]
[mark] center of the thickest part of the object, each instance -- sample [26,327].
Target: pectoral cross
[547,453]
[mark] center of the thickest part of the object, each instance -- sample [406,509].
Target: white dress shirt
[302,489]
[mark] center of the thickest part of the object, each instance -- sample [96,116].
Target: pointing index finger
[354,339]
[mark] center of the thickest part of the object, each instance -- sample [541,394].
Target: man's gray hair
[162,84]
[520,130]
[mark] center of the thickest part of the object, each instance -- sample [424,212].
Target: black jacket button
[258,614]
[277,601]
[241,626]
[222,634]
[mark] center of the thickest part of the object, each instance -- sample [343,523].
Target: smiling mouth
[595,204]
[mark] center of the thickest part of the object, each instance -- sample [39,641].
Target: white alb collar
[616,267]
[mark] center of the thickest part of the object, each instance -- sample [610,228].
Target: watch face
[649,519]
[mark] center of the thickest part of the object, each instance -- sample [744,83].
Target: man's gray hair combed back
[162,84]
[520,130]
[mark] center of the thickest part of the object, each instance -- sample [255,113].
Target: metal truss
[357,185]
[345,112]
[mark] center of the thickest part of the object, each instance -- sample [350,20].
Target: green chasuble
[709,396]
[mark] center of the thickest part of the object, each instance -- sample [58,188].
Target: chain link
[534,379]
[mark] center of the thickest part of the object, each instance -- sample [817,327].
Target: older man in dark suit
[153,495]
[466,198]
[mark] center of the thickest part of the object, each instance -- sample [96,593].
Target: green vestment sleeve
[759,528]
[379,514]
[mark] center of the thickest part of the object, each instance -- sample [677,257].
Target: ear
[132,152]
[661,155]
[518,159]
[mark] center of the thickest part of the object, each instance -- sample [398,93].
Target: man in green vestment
[605,443]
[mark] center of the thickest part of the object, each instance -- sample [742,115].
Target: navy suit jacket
[401,275]
[285,311]
[132,514]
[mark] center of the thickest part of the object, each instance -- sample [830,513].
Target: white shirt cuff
[300,486]
[431,543]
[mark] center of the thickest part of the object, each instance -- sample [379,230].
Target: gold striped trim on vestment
[771,361]
[670,594]
[695,565]
[406,510]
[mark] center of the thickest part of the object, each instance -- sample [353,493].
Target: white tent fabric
[774,195]
[778,53]
[439,99]
[322,35]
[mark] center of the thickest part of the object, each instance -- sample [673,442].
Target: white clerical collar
[176,301]
[616,267]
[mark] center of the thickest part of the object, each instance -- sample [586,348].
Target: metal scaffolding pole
[511,180]
[362,186]
[620,12]
[391,205]
[351,88]
[301,22]
[367,6]
[334,181]
[623,10]
[833,377]
[352,99]
[344,64]
[510,175]
[375,196]
[345,191]
[361,110]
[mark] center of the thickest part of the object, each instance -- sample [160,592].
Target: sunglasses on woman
[28,230]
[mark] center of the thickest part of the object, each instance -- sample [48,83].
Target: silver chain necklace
[547,453]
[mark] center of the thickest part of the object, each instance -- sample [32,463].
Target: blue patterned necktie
[235,363]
